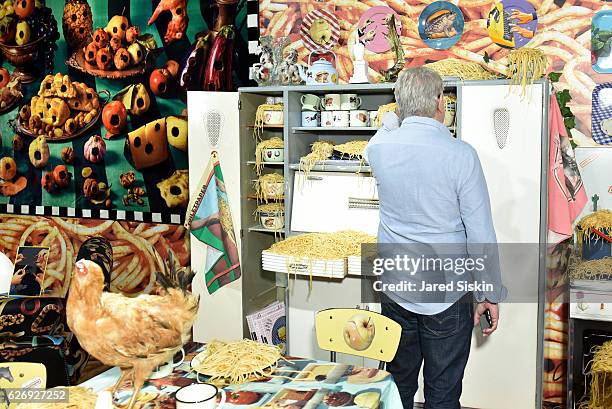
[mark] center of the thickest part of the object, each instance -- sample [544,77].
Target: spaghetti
[323,246]
[526,65]
[464,70]
[600,269]
[260,117]
[586,227]
[78,398]
[270,187]
[320,150]
[392,107]
[237,362]
[352,149]
[601,378]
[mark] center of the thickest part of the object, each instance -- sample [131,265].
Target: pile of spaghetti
[462,69]
[352,149]
[270,187]
[321,150]
[78,398]
[596,221]
[323,246]
[237,362]
[272,143]
[601,378]
[600,269]
[526,65]
[270,208]
[392,107]
[259,117]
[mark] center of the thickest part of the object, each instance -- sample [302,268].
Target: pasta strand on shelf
[273,143]
[260,117]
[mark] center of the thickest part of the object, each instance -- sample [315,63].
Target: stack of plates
[354,265]
[303,266]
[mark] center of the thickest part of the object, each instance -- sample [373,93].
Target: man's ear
[441,107]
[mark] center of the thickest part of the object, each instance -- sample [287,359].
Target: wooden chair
[357,332]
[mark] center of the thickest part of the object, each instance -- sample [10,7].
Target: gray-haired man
[433,192]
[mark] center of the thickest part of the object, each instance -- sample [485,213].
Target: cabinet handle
[315,178]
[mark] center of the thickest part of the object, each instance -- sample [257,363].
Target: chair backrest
[358,332]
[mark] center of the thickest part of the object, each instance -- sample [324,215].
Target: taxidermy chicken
[136,334]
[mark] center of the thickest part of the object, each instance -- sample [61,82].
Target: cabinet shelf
[260,229]
[270,199]
[326,166]
[252,162]
[277,127]
[298,129]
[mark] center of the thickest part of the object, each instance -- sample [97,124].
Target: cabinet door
[227,323]
[321,202]
[512,164]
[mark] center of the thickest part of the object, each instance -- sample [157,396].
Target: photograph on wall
[29,274]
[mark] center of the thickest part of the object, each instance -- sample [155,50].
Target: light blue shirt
[432,190]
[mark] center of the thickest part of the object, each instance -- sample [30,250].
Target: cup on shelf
[349,102]
[327,118]
[341,118]
[272,220]
[274,155]
[270,100]
[331,102]
[273,117]
[310,102]
[311,118]
[278,100]
[358,117]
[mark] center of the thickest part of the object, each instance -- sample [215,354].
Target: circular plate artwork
[373,29]
[441,25]
[512,23]
[320,30]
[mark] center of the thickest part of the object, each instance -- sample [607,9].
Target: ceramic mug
[273,117]
[270,100]
[327,118]
[349,102]
[167,367]
[199,396]
[331,102]
[311,119]
[358,117]
[341,118]
[310,102]
[372,118]
[278,100]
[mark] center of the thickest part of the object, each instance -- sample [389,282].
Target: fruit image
[132,34]
[62,176]
[159,81]
[117,26]
[140,100]
[173,67]
[95,149]
[38,152]
[104,59]
[359,332]
[24,8]
[114,117]
[100,38]
[48,182]
[77,23]
[114,44]
[91,51]
[136,53]
[176,129]
[8,168]
[23,33]
[368,400]
[4,77]
[122,59]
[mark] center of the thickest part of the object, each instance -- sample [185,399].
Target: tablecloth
[308,384]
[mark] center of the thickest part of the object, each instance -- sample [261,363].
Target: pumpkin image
[95,149]
[8,168]
[62,176]
[39,152]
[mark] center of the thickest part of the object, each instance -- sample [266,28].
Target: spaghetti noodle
[526,65]
[272,143]
[599,220]
[392,107]
[260,117]
[601,378]
[78,398]
[320,150]
[464,70]
[270,187]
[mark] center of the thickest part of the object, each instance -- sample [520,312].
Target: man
[432,192]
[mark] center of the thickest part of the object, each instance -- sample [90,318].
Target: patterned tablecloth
[306,384]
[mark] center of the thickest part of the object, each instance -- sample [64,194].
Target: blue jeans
[442,341]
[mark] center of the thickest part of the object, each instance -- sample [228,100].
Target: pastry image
[175,189]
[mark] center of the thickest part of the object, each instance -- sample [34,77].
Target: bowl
[272,220]
[273,155]
[273,117]
[275,190]
[23,58]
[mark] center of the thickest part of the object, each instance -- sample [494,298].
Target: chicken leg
[142,369]
[124,373]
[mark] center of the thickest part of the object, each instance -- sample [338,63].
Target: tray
[21,129]
[601,21]
[302,266]
[77,61]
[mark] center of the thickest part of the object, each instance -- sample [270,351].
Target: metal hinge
[241,233]
[239,104]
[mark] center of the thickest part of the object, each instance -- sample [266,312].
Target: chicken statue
[136,334]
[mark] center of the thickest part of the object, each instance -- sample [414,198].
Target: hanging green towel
[210,221]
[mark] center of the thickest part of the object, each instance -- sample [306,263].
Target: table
[310,385]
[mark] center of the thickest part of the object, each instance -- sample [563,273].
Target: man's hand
[19,258]
[493,309]
[522,31]
[522,18]
[18,276]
